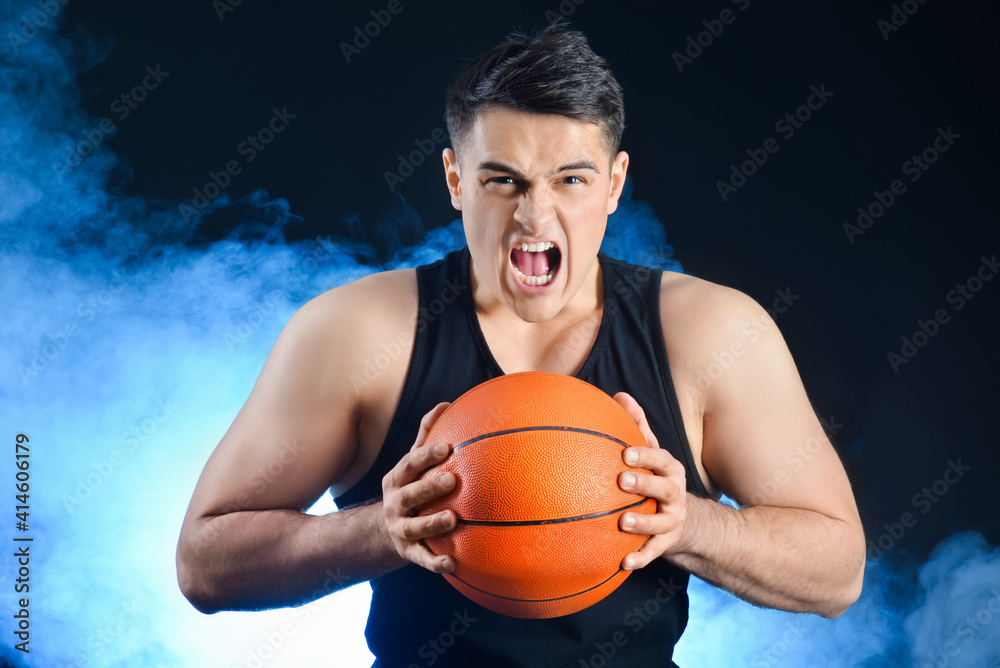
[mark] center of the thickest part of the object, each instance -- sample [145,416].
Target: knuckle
[409,531]
[413,495]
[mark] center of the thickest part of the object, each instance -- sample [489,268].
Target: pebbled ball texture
[536,457]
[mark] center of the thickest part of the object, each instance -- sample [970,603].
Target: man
[535,170]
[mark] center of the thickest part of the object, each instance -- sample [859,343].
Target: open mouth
[536,263]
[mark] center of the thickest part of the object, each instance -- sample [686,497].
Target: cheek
[592,205]
[586,220]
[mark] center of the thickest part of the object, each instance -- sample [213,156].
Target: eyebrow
[494,166]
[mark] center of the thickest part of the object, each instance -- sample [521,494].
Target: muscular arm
[246,542]
[796,543]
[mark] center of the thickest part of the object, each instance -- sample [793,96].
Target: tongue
[531,264]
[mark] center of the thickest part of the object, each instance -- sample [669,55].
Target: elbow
[198,596]
[842,602]
[848,593]
[192,581]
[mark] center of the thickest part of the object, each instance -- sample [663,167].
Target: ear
[619,167]
[452,177]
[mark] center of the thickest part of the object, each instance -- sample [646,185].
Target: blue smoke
[129,348]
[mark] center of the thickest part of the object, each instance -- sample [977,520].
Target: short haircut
[552,71]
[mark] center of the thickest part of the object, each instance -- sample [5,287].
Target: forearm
[786,558]
[273,558]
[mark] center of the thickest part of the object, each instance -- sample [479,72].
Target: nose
[534,212]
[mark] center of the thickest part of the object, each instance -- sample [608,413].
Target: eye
[501,180]
[578,180]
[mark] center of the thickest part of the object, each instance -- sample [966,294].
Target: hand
[403,491]
[667,485]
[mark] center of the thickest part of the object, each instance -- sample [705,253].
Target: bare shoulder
[756,418]
[371,299]
[707,330]
[304,418]
[708,326]
[704,302]
[348,324]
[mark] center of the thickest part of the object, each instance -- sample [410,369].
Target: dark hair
[553,71]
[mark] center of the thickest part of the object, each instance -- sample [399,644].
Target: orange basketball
[536,457]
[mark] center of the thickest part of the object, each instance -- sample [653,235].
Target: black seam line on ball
[577,430]
[557,520]
[538,600]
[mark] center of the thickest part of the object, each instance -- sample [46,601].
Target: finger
[650,525]
[427,422]
[436,563]
[425,526]
[420,554]
[657,460]
[420,492]
[634,410]
[412,465]
[652,549]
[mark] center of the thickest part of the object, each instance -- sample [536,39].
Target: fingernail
[631,456]
[447,565]
[446,479]
[440,449]
[628,521]
[629,564]
[628,480]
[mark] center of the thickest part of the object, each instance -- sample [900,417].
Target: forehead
[532,139]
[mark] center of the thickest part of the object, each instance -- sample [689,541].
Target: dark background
[780,231]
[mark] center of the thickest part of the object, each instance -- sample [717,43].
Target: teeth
[535,248]
[534,280]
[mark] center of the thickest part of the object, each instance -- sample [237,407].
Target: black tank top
[417,619]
